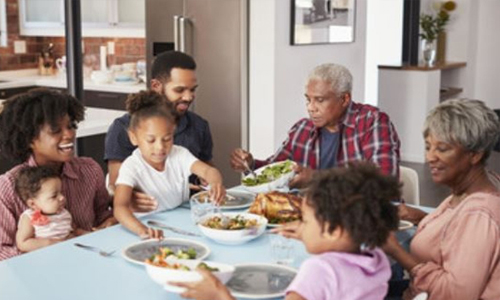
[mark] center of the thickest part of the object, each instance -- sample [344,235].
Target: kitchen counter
[30,77]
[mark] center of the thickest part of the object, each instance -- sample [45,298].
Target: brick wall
[126,49]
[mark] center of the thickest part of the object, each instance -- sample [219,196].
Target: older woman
[455,253]
[39,128]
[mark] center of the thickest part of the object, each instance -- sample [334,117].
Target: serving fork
[95,249]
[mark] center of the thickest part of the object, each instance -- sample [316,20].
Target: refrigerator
[215,33]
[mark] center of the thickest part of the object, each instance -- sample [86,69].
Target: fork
[171,228]
[245,163]
[95,249]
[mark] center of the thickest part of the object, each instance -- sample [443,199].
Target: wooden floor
[432,194]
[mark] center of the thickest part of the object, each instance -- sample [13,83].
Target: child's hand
[150,233]
[391,246]
[142,202]
[206,289]
[289,230]
[217,193]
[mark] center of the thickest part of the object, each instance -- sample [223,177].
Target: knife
[173,229]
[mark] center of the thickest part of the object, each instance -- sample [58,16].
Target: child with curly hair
[157,167]
[346,216]
[46,220]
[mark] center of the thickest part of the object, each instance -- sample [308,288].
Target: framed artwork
[322,21]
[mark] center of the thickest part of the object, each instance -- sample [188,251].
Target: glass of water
[282,249]
[200,208]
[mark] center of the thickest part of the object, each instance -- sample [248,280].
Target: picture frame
[322,21]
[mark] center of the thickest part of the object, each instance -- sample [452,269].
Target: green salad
[269,174]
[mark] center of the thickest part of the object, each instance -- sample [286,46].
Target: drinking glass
[282,249]
[200,209]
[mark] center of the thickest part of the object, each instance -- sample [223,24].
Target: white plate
[238,199]
[260,281]
[403,225]
[280,184]
[137,253]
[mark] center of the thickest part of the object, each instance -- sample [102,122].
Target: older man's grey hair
[469,123]
[338,76]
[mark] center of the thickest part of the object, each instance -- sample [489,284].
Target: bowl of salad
[232,228]
[163,271]
[272,177]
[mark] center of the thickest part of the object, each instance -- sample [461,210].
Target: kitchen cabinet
[105,100]
[9,92]
[100,18]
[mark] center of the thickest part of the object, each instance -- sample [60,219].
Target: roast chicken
[277,207]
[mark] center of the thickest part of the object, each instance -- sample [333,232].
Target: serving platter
[137,253]
[260,281]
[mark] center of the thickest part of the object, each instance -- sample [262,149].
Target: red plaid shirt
[86,199]
[366,133]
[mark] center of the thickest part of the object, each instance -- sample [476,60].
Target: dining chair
[410,190]
[421,296]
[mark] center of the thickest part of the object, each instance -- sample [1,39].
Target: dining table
[64,271]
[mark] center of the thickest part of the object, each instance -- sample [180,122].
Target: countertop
[97,120]
[30,77]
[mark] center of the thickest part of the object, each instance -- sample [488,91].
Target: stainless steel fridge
[215,33]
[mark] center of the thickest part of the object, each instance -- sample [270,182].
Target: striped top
[82,185]
[57,227]
[366,134]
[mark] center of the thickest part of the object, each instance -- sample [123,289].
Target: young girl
[346,215]
[157,167]
[46,220]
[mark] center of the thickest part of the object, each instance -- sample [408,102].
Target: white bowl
[163,275]
[280,183]
[101,77]
[234,237]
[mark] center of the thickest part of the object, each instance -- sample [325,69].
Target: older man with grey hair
[338,131]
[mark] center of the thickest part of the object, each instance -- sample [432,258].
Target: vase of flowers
[432,30]
[428,35]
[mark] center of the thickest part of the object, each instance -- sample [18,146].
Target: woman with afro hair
[38,128]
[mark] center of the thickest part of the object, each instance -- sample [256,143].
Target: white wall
[485,75]
[384,41]
[278,71]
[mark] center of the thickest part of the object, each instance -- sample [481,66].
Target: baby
[46,221]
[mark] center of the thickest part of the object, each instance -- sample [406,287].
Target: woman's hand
[208,288]
[238,159]
[302,176]
[142,202]
[289,230]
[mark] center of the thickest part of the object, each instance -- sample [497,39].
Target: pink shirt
[340,275]
[459,250]
[58,226]
[82,185]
